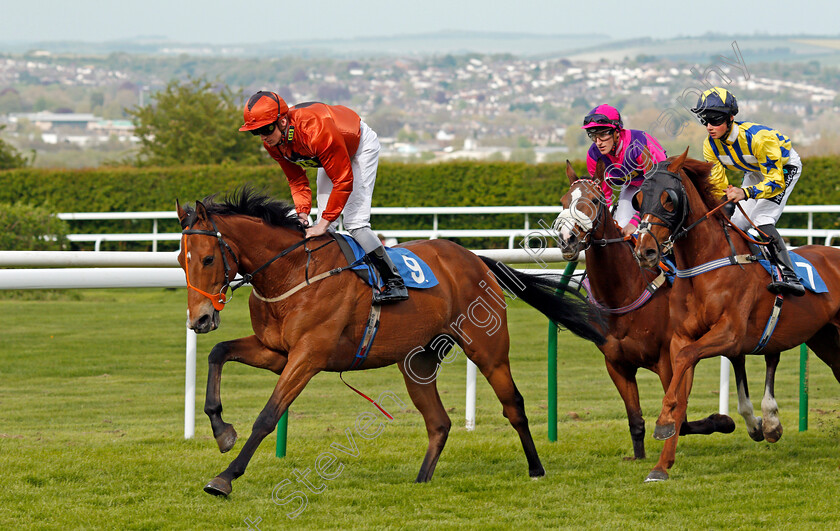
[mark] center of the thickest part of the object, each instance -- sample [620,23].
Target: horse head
[209,264]
[664,206]
[582,214]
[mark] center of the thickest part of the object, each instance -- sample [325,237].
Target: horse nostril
[650,254]
[203,322]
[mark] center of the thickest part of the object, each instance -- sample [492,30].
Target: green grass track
[91,437]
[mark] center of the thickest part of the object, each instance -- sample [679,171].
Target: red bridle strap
[218,299]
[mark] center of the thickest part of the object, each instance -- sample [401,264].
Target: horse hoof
[656,475]
[773,435]
[218,487]
[758,434]
[536,473]
[663,433]
[722,423]
[226,439]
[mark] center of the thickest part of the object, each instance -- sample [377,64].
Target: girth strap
[770,327]
[371,327]
[714,264]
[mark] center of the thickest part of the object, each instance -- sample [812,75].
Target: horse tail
[574,313]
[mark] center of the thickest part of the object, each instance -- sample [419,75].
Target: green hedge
[446,184]
[29,228]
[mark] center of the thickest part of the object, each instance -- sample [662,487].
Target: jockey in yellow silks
[771,169]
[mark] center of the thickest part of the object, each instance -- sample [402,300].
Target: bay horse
[724,311]
[634,300]
[302,327]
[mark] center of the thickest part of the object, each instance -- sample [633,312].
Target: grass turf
[91,436]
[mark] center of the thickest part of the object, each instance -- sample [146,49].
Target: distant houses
[81,129]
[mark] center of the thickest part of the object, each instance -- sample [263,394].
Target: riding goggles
[264,130]
[599,134]
[598,119]
[713,118]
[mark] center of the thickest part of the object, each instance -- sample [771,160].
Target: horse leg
[714,423]
[293,379]
[669,450]
[421,383]
[771,425]
[624,379]
[745,407]
[247,350]
[685,356]
[492,359]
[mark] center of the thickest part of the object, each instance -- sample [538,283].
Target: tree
[11,157]
[192,123]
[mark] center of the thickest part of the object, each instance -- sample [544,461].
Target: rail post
[552,361]
[803,387]
[282,432]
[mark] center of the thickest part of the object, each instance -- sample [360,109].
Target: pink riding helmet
[603,116]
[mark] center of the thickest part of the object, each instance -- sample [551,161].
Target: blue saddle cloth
[808,274]
[414,271]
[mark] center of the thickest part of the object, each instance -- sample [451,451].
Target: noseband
[220,299]
[573,215]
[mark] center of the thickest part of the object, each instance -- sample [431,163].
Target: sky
[229,22]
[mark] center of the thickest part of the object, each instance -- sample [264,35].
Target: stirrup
[393,291]
[786,286]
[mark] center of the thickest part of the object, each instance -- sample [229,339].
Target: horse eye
[208,260]
[666,201]
[637,201]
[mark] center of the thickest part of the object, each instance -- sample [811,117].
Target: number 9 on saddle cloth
[413,270]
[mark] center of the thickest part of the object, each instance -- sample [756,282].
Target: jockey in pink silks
[624,153]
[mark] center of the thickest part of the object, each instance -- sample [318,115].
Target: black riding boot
[394,289]
[789,284]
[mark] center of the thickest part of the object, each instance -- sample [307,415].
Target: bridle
[220,299]
[674,221]
[671,220]
[576,218]
[597,221]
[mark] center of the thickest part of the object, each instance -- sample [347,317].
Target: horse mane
[699,172]
[246,201]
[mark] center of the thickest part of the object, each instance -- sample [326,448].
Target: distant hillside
[453,42]
[755,48]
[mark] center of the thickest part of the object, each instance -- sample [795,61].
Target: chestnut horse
[635,301]
[724,311]
[318,325]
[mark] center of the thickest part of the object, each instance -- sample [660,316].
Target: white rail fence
[104,269]
[542,216]
[108,269]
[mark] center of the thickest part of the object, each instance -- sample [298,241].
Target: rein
[220,299]
[599,220]
[647,293]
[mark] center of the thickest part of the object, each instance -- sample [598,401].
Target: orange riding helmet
[263,108]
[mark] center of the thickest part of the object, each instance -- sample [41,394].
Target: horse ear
[200,210]
[600,170]
[182,214]
[678,162]
[647,160]
[570,173]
